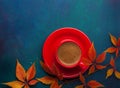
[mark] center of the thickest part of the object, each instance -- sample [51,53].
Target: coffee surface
[69,53]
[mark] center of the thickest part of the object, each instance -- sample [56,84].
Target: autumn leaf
[86,61]
[109,72]
[26,86]
[31,73]
[110,50]
[46,68]
[33,82]
[79,86]
[46,80]
[117,74]
[94,84]
[100,67]
[101,58]
[91,69]
[92,52]
[118,43]
[20,72]
[55,85]
[82,79]
[113,40]
[14,84]
[112,62]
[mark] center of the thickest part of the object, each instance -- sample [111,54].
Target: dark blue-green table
[25,24]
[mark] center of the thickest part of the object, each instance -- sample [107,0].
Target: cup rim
[58,60]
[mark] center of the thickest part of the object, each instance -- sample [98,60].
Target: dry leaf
[113,40]
[92,52]
[110,50]
[14,84]
[31,73]
[112,62]
[46,80]
[101,58]
[100,67]
[33,82]
[55,85]
[82,79]
[109,72]
[20,72]
[91,69]
[79,86]
[94,83]
[117,74]
[46,68]
[86,61]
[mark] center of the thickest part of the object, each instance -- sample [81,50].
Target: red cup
[62,63]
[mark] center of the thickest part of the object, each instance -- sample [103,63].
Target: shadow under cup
[69,54]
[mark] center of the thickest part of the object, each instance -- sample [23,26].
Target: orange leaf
[117,52]
[113,40]
[92,52]
[20,72]
[101,58]
[86,61]
[82,79]
[14,84]
[79,86]
[118,43]
[112,62]
[33,82]
[57,72]
[109,72]
[46,80]
[55,85]
[94,83]
[110,50]
[46,68]
[100,67]
[31,72]
[92,69]
[26,86]
[117,74]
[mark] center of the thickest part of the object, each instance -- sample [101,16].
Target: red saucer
[54,40]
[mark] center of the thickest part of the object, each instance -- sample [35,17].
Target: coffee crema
[69,53]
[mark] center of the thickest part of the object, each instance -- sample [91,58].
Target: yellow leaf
[109,72]
[113,40]
[100,67]
[20,72]
[92,53]
[117,74]
[31,72]
[110,50]
[92,69]
[46,80]
[94,83]
[101,58]
[82,79]
[14,84]
[79,86]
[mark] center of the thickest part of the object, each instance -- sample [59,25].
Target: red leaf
[101,58]
[82,79]
[33,82]
[55,85]
[100,67]
[109,72]
[118,43]
[92,69]
[110,50]
[112,62]
[117,52]
[26,86]
[20,72]
[46,68]
[14,84]
[57,72]
[117,74]
[94,83]
[46,80]
[86,61]
[92,53]
[113,40]
[31,72]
